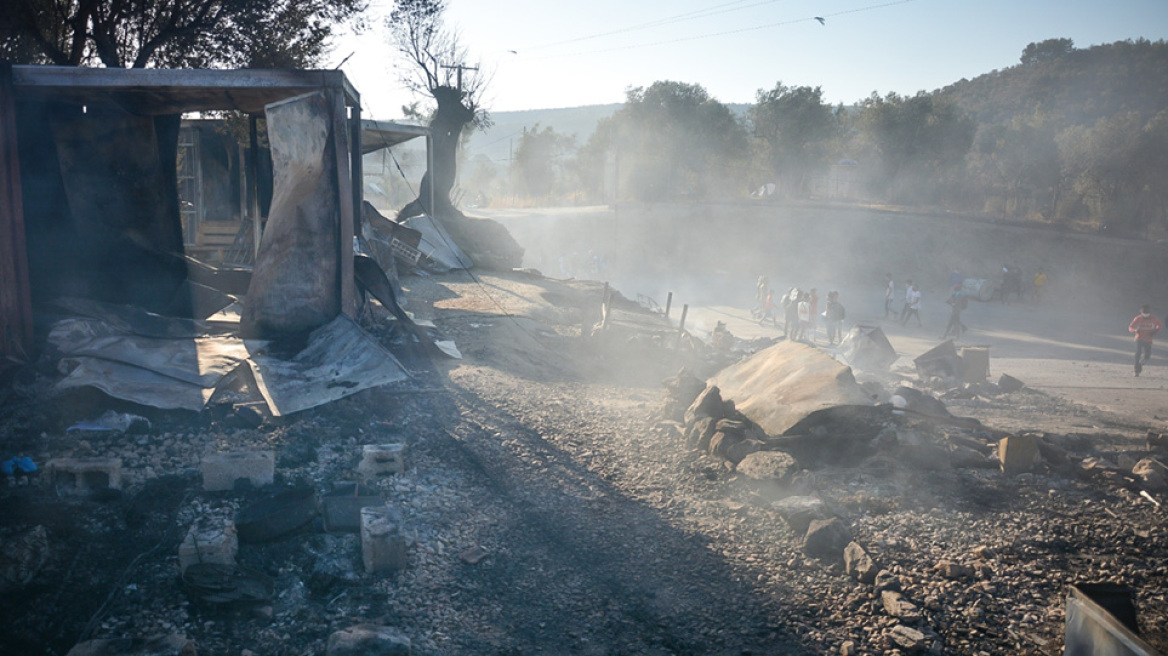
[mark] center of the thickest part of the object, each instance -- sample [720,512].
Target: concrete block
[382,459]
[977,364]
[222,470]
[1017,453]
[83,475]
[383,547]
[209,540]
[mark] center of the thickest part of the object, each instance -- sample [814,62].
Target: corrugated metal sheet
[1101,621]
[15,297]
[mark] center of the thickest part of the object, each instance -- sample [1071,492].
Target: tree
[1102,161]
[669,140]
[172,33]
[925,137]
[798,129]
[437,67]
[1049,50]
[539,159]
[1017,164]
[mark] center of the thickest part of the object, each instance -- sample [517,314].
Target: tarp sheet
[201,361]
[134,384]
[141,357]
[340,359]
[437,244]
[867,348]
[791,387]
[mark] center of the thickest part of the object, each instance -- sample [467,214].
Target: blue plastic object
[23,465]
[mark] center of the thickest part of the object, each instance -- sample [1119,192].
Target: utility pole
[460,68]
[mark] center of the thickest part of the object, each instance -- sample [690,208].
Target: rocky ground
[550,507]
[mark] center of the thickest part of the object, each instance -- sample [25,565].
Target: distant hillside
[1073,86]
[496,142]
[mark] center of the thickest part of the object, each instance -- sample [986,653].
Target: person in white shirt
[912,304]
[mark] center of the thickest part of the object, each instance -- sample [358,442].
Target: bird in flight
[821,20]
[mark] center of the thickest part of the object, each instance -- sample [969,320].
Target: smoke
[712,254]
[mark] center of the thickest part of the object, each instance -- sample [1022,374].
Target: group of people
[911,309]
[800,312]
[1012,285]
[912,301]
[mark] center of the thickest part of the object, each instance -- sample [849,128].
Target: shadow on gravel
[592,570]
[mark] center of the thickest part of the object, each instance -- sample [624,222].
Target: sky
[543,54]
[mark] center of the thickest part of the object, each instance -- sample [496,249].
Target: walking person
[833,316]
[761,290]
[889,293]
[959,301]
[912,304]
[790,305]
[1039,285]
[804,307]
[768,309]
[1144,327]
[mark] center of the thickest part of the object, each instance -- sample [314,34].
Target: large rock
[858,564]
[488,243]
[368,640]
[769,466]
[684,386]
[1153,473]
[886,580]
[743,449]
[707,404]
[826,538]
[952,570]
[791,388]
[897,605]
[721,444]
[908,639]
[700,431]
[799,512]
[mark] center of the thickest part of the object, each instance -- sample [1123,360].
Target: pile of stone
[709,423]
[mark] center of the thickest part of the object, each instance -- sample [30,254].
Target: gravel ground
[603,532]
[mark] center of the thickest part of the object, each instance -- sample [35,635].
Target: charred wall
[101,205]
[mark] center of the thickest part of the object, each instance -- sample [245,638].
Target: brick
[383,548]
[83,475]
[381,459]
[209,540]
[222,470]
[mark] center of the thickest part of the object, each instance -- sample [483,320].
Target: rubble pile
[493,509]
[905,510]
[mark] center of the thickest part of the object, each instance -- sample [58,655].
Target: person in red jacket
[1144,326]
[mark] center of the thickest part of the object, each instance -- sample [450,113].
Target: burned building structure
[92,205]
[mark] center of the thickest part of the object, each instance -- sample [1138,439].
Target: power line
[692,15]
[711,35]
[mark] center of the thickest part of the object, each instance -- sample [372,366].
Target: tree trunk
[446,131]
